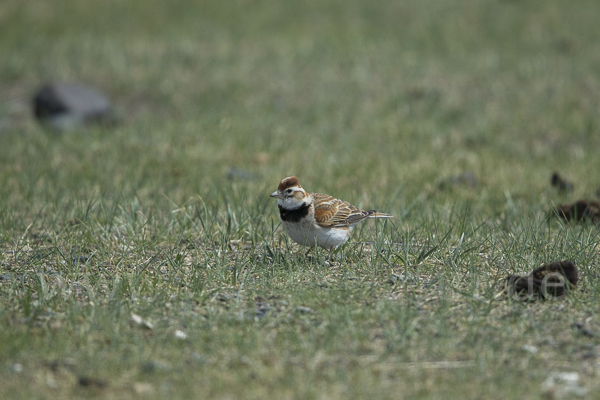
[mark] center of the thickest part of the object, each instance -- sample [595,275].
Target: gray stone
[65,106]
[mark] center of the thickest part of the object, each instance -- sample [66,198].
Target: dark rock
[64,106]
[563,185]
[80,259]
[466,179]
[262,307]
[262,311]
[546,282]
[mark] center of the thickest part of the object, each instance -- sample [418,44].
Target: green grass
[373,102]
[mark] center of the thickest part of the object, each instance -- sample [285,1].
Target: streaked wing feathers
[331,212]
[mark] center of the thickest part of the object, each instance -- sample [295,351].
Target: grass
[167,215]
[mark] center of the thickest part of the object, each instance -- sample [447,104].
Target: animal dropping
[548,282]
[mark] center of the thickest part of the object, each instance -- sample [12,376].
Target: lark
[317,219]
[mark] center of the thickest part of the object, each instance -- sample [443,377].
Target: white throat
[291,203]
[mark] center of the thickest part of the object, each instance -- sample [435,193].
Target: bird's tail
[375,214]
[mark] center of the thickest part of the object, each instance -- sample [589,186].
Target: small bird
[316,219]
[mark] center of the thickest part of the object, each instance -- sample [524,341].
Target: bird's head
[290,195]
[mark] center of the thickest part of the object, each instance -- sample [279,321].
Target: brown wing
[331,212]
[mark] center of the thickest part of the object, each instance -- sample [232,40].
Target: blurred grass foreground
[145,259]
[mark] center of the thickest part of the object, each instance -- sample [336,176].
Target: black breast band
[293,215]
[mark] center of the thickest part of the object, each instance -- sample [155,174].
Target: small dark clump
[87,381]
[583,330]
[563,185]
[580,211]
[546,282]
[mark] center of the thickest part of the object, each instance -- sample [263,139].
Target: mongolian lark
[316,219]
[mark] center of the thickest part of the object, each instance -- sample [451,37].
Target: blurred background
[379,102]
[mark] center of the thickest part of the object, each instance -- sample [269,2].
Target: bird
[317,219]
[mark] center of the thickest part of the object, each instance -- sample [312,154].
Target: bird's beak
[276,194]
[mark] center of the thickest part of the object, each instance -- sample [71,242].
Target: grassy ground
[167,216]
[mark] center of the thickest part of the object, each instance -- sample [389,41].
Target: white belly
[306,235]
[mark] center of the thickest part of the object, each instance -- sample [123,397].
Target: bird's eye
[289,191]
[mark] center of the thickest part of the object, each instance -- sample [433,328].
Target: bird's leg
[337,257]
[329,250]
